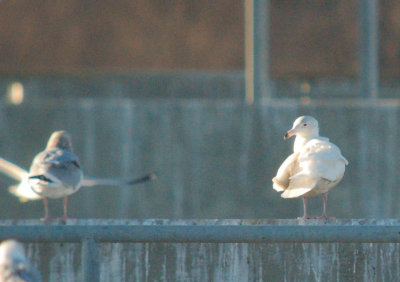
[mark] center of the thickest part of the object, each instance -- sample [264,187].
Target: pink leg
[325,201]
[324,216]
[305,216]
[46,209]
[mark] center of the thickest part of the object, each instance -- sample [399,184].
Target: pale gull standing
[56,171]
[24,190]
[14,266]
[314,168]
[25,193]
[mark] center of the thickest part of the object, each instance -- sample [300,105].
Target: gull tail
[22,196]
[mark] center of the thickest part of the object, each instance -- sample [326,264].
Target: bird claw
[304,217]
[324,217]
[48,218]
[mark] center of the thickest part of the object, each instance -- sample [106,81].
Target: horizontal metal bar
[204,233]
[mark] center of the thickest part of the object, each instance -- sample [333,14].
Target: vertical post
[369,49]
[90,263]
[257,50]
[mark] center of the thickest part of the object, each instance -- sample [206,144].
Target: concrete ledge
[205,231]
[251,249]
[162,221]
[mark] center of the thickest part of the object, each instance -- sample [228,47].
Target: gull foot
[324,217]
[64,218]
[305,217]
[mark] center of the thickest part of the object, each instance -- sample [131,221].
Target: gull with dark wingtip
[56,173]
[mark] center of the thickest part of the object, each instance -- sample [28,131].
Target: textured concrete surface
[222,262]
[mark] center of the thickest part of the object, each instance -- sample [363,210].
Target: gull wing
[93,181]
[12,170]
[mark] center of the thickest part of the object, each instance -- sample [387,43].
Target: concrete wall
[222,262]
[214,159]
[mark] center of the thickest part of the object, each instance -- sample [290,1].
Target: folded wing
[320,159]
[285,171]
[317,160]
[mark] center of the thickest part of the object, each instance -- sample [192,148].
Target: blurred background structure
[202,92]
[167,86]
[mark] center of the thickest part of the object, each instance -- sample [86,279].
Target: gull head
[304,126]
[11,249]
[61,140]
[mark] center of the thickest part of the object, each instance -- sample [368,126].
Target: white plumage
[14,266]
[315,167]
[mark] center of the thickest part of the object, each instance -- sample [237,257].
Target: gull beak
[289,134]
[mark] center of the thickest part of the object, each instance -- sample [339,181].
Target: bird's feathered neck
[300,141]
[60,140]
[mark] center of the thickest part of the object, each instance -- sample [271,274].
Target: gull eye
[305,124]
